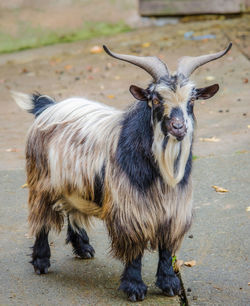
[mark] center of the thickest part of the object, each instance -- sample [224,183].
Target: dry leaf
[218,288]
[248,209]
[190,263]
[110,96]
[249,284]
[219,189]
[248,126]
[55,61]
[146,45]
[211,139]
[96,49]
[25,185]
[117,77]
[12,150]
[177,265]
[68,67]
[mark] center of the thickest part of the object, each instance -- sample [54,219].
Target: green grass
[29,37]
[195,157]
[174,260]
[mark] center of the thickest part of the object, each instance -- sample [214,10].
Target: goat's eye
[156,102]
[192,101]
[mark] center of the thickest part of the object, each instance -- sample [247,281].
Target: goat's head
[171,97]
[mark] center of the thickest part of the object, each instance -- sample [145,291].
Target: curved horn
[188,64]
[152,64]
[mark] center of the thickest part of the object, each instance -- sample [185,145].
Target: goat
[130,168]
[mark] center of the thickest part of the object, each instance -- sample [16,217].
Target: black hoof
[41,265]
[85,251]
[170,285]
[136,291]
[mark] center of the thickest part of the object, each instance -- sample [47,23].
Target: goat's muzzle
[177,128]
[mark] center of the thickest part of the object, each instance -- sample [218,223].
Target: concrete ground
[220,243]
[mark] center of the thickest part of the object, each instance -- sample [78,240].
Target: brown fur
[63,155]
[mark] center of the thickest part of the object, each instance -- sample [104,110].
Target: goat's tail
[34,103]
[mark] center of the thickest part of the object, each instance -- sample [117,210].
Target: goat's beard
[166,156]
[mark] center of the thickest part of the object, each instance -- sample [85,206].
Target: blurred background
[33,23]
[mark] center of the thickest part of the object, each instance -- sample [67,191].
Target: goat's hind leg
[42,217]
[41,252]
[167,280]
[79,239]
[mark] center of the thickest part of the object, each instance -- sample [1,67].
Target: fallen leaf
[249,284]
[218,288]
[146,45]
[241,152]
[177,265]
[12,150]
[248,209]
[248,126]
[24,70]
[25,185]
[245,80]
[55,61]
[219,189]
[110,96]
[96,49]
[211,139]
[190,263]
[117,77]
[68,67]
[209,78]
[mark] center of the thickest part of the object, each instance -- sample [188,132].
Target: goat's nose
[177,125]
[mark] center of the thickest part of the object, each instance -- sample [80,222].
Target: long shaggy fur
[73,142]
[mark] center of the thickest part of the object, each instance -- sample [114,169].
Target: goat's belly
[86,207]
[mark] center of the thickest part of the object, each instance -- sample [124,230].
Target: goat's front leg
[131,281]
[167,280]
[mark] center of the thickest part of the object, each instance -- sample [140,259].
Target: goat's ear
[206,92]
[138,93]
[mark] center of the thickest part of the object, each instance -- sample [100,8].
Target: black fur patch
[80,242]
[41,253]
[158,112]
[188,170]
[190,108]
[132,283]
[172,81]
[164,126]
[99,186]
[169,81]
[176,112]
[40,103]
[165,142]
[166,277]
[134,154]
